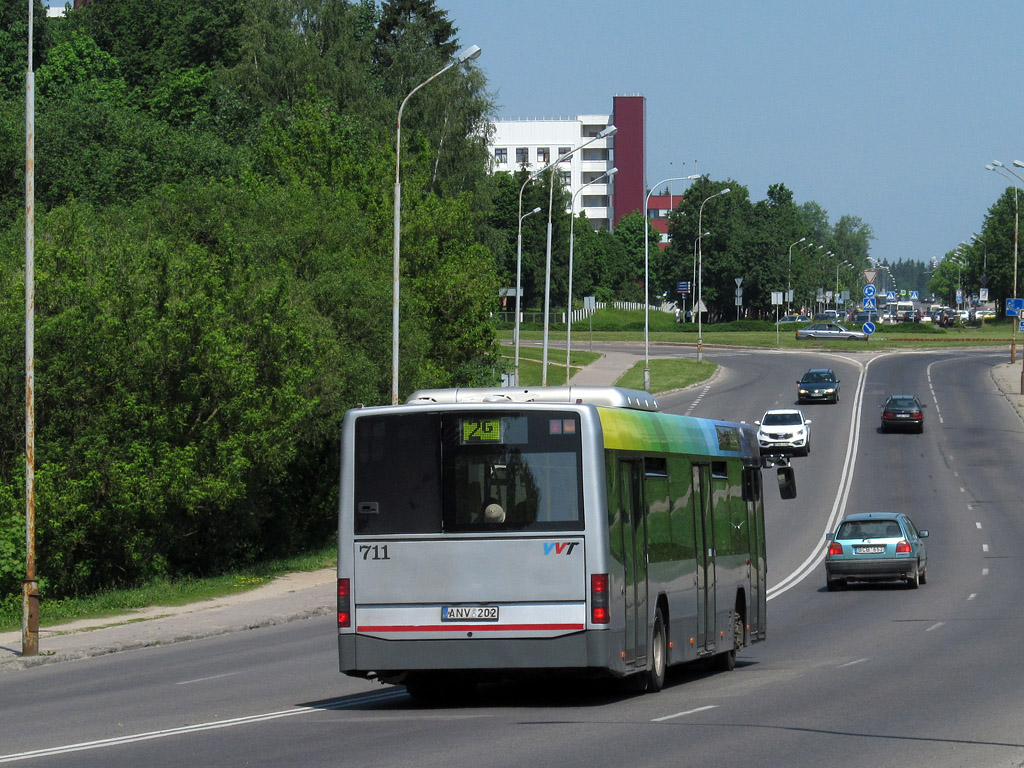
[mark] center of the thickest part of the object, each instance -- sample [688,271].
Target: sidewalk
[288,598]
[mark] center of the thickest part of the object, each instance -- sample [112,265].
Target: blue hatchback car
[876,546]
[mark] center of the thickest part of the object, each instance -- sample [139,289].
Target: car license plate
[869,550]
[469,613]
[902,415]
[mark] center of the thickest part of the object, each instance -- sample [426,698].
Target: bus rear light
[599,599]
[902,547]
[835,548]
[344,603]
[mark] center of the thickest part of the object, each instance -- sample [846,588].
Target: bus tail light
[902,547]
[599,613]
[344,604]
[835,548]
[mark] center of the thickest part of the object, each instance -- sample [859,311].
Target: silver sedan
[830,331]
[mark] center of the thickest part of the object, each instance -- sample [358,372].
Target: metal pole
[572,233]
[547,285]
[470,53]
[647,273]
[30,587]
[700,275]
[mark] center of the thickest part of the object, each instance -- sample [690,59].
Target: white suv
[784,430]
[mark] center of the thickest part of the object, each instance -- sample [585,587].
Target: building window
[544,155]
[595,201]
[522,155]
[501,155]
[566,178]
[590,155]
[589,131]
[562,152]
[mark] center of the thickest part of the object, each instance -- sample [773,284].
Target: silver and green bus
[488,533]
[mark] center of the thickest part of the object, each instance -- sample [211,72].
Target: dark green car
[818,384]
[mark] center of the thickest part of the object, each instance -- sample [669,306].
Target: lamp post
[609,130]
[519,293]
[467,55]
[789,278]
[700,274]
[835,296]
[572,233]
[647,273]
[995,166]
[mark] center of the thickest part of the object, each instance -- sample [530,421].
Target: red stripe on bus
[470,628]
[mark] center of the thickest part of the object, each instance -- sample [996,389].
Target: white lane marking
[842,495]
[683,714]
[984,571]
[972,595]
[851,663]
[204,679]
[700,397]
[150,735]
[979,526]
[984,547]
[935,626]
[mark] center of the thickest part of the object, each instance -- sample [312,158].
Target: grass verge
[165,592]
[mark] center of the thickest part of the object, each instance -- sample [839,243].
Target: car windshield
[780,419]
[818,378]
[869,529]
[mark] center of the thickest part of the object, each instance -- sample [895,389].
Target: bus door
[755,537]
[704,537]
[634,557]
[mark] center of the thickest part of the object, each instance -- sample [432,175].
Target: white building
[534,144]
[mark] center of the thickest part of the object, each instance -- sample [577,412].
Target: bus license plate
[469,613]
[869,550]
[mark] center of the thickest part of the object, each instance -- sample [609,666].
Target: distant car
[784,430]
[793,319]
[876,546]
[903,412]
[985,313]
[818,384]
[830,331]
[860,318]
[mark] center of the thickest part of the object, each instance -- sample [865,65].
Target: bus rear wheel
[655,676]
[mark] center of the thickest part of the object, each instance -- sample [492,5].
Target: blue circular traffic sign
[869,291]
[868,328]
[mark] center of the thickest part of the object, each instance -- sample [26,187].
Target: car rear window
[869,529]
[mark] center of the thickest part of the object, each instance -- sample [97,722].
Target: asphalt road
[869,676]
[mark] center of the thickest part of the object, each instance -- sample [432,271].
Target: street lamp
[467,55]
[647,272]
[519,293]
[572,233]
[996,165]
[609,130]
[789,278]
[700,275]
[693,278]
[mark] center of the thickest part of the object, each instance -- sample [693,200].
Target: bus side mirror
[787,482]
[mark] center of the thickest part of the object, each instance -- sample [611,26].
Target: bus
[496,532]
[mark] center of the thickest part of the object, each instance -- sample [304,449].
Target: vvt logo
[559,547]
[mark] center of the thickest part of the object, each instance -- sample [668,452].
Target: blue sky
[887,111]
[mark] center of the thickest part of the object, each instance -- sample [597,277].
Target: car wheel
[655,677]
[924,575]
[920,428]
[832,585]
[914,580]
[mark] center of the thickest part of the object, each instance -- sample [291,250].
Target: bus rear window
[464,472]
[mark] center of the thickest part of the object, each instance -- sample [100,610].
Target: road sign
[683,286]
[777,298]
[739,281]
[868,328]
[1014,307]
[914,296]
[869,304]
[869,291]
[890,296]
[870,275]
[1021,329]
